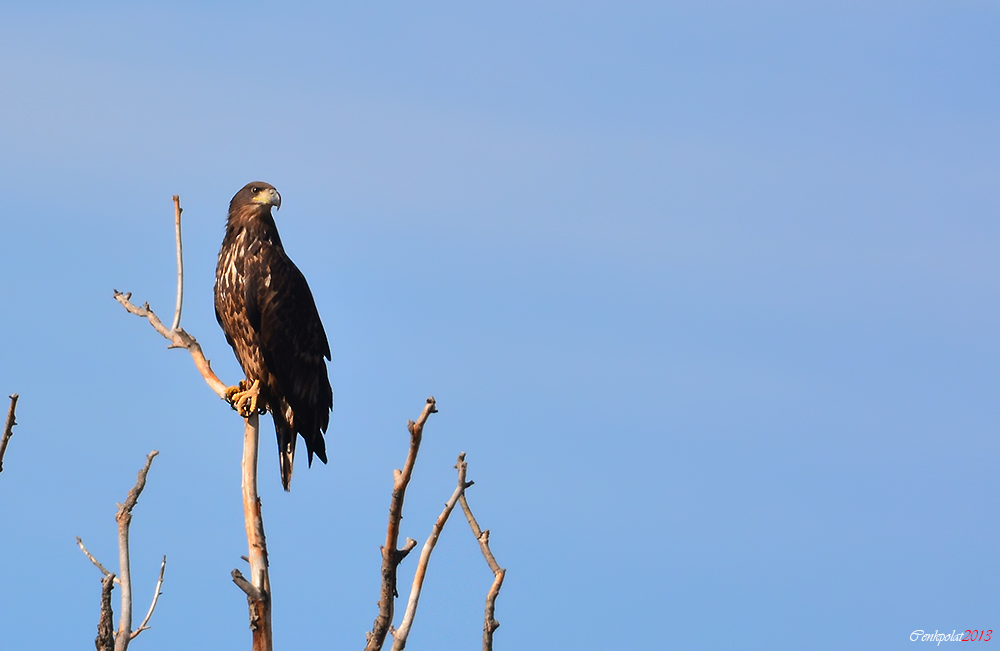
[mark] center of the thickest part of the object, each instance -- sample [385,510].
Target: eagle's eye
[255,190]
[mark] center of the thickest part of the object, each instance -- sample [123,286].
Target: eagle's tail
[286,444]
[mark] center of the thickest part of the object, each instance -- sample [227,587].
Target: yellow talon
[242,398]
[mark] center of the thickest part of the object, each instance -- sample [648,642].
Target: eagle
[265,308]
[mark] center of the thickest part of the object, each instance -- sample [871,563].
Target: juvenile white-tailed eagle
[264,305]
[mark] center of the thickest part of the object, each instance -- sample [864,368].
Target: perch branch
[124,518]
[180,263]
[176,335]
[391,555]
[490,624]
[258,589]
[8,428]
[152,606]
[401,633]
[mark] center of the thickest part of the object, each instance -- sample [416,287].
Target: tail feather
[286,422]
[286,447]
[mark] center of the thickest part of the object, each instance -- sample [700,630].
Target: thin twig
[93,560]
[391,555]
[8,428]
[124,518]
[156,597]
[490,624]
[401,633]
[180,263]
[258,588]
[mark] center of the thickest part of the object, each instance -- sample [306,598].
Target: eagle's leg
[243,398]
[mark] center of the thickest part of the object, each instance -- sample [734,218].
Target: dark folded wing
[293,342]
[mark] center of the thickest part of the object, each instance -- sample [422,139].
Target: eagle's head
[257,193]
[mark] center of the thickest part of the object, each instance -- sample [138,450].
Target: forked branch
[107,637]
[176,335]
[8,428]
[401,633]
[490,624]
[124,518]
[392,556]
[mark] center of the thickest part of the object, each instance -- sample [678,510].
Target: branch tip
[8,428]
[93,560]
[152,606]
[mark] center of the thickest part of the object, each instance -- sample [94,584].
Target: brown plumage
[264,305]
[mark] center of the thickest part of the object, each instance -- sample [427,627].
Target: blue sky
[706,292]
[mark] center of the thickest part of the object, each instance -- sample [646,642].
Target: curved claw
[244,399]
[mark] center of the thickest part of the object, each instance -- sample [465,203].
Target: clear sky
[707,292]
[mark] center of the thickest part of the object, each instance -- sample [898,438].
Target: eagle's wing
[280,307]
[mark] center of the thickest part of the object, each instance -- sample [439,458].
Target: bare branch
[490,623]
[105,640]
[248,588]
[391,556]
[178,339]
[258,589]
[124,518]
[8,428]
[107,637]
[152,606]
[93,560]
[401,633]
[405,551]
[180,264]
[176,335]
[482,536]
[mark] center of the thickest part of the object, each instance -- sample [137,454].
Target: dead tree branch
[152,606]
[401,633]
[180,264]
[107,638]
[124,518]
[178,339]
[93,560]
[176,335]
[490,623]
[8,428]
[391,555]
[258,588]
